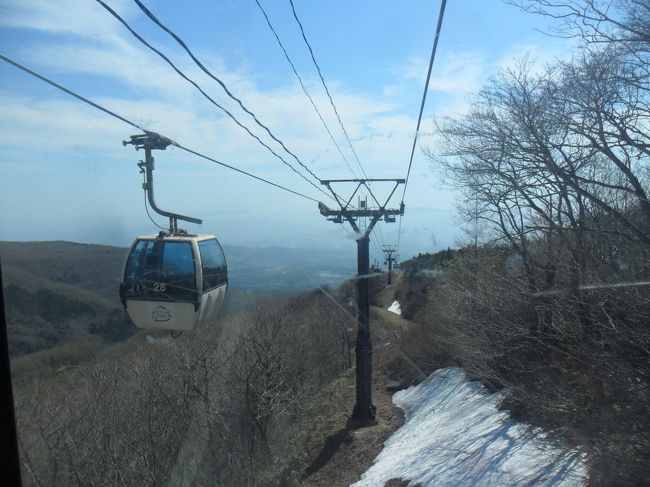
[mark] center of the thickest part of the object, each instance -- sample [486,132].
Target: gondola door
[214,283]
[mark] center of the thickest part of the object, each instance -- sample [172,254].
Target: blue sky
[65,175]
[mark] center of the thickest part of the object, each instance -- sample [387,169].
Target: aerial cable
[71,93]
[221,83]
[322,79]
[441,15]
[380,241]
[135,125]
[380,236]
[374,241]
[304,88]
[208,97]
[243,172]
[443,3]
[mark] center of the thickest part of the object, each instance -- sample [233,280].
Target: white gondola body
[175,282]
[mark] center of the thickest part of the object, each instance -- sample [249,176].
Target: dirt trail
[385,317]
[348,453]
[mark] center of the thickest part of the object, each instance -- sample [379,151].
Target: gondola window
[177,273]
[214,264]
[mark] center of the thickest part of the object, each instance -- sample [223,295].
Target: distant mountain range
[422,230]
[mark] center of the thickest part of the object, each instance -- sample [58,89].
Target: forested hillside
[263,399]
[87,384]
[221,406]
[551,297]
[574,360]
[58,293]
[90,267]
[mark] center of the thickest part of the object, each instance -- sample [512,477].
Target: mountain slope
[87,266]
[43,313]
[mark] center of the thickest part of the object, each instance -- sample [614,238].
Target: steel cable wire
[441,15]
[208,97]
[135,125]
[180,41]
[329,95]
[304,88]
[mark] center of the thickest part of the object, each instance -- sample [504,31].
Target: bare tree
[596,21]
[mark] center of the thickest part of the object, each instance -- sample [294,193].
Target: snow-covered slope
[395,308]
[454,435]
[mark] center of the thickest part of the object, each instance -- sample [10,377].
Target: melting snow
[395,308]
[454,435]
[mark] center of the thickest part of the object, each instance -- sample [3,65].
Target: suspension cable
[322,79]
[304,88]
[71,93]
[180,41]
[208,97]
[135,125]
[198,154]
[443,3]
[441,15]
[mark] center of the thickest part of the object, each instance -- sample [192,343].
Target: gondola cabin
[174,281]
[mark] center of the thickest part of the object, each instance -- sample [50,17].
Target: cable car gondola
[173,280]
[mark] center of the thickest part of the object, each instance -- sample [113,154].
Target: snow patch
[395,308]
[455,435]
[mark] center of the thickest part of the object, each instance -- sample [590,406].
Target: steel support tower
[364,412]
[389,251]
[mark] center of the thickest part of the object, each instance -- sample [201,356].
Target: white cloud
[453,71]
[157,98]
[144,89]
[94,43]
[132,67]
[28,123]
[391,90]
[458,72]
[78,18]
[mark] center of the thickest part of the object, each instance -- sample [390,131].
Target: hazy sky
[65,175]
